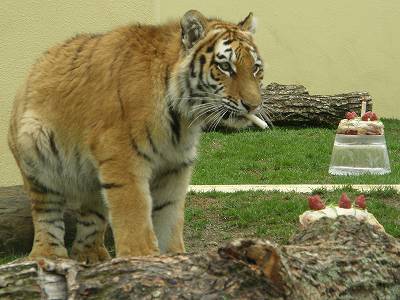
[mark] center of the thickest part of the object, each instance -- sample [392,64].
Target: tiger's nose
[249,107]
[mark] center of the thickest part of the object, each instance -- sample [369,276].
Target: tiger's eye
[225,67]
[256,69]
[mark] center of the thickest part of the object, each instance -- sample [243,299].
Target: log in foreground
[333,258]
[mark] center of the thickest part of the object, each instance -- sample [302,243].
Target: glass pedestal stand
[359,154]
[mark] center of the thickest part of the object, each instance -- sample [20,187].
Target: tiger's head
[221,73]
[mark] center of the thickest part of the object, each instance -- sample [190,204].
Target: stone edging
[299,188]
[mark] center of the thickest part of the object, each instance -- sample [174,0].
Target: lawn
[212,219]
[282,156]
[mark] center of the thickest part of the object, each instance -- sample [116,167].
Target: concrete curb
[299,188]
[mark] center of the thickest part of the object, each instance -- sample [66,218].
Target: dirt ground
[215,233]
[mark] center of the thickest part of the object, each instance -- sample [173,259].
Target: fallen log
[340,258]
[16,228]
[293,105]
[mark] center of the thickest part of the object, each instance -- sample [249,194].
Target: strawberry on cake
[319,210]
[368,124]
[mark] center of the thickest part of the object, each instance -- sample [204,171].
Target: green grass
[282,156]
[212,218]
[9,257]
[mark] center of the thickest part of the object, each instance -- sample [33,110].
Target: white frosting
[362,127]
[332,212]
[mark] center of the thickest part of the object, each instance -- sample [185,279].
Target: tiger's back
[107,124]
[76,90]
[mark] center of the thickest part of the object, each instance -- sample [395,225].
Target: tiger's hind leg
[91,225]
[47,217]
[37,155]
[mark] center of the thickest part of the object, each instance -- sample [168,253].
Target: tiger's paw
[144,250]
[47,251]
[175,246]
[143,245]
[138,253]
[91,255]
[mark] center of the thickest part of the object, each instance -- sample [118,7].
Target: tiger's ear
[248,24]
[193,25]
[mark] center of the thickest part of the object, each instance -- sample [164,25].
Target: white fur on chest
[176,156]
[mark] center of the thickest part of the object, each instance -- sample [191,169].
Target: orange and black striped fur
[108,125]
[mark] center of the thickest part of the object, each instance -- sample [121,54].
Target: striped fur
[108,125]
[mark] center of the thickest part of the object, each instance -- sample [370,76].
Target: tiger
[108,125]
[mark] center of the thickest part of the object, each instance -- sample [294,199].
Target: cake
[368,124]
[360,146]
[332,212]
[319,210]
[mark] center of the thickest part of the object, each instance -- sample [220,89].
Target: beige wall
[329,46]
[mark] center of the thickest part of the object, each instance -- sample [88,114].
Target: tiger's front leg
[124,181]
[169,193]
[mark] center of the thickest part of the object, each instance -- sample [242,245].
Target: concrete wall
[329,46]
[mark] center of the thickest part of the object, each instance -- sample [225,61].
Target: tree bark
[338,258]
[293,105]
